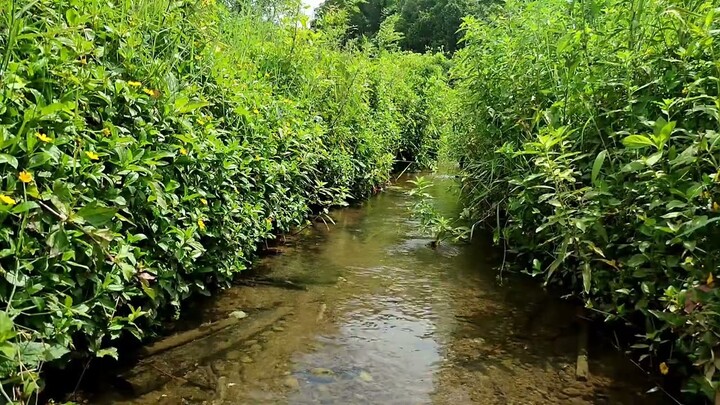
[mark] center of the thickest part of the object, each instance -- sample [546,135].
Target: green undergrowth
[148,147]
[588,133]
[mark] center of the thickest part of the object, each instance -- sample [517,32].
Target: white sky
[312,6]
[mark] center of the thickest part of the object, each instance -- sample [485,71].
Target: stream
[385,319]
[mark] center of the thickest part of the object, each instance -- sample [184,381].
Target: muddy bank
[384,319]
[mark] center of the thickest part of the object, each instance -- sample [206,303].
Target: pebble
[572,392]
[321,371]
[365,376]
[238,314]
[278,328]
[256,347]
[291,382]
[246,359]
[251,342]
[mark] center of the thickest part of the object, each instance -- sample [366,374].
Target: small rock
[291,382]
[365,376]
[255,348]
[321,372]
[238,314]
[222,385]
[251,342]
[572,392]
[246,359]
[278,328]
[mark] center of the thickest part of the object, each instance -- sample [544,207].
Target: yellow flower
[203,201]
[83,60]
[717,176]
[201,224]
[106,131]
[43,137]
[183,151]
[664,369]
[25,177]
[689,260]
[7,200]
[716,206]
[151,93]
[92,155]
[134,84]
[710,280]
[255,110]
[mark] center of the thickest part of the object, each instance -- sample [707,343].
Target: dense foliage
[422,24]
[147,147]
[589,137]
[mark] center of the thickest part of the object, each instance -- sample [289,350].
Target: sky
[312,6]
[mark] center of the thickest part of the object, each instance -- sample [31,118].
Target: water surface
[386,319]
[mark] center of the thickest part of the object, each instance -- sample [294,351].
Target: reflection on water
[385,320]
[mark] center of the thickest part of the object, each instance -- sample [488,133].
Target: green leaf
[637,141]
[597,165]
[11,160]
[25,207]
[96,215]
[71,15]
[664,134]
[16,278]
[39,159]
[58,242]
[587,277]
[654,158]
[110,352]
[7,327]
[637,260]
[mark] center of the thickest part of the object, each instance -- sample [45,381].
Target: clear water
[386,320]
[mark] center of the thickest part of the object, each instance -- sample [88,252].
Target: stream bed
[385,319]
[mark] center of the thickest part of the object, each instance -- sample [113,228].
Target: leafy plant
[590,130]
[148,147]
[432,222]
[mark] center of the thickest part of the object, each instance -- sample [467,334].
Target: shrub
[590,129]
[147,147]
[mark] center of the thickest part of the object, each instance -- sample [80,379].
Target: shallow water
[385,320]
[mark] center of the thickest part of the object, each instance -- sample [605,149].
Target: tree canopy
[424,24]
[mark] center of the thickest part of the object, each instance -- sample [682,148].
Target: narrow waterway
[385,320]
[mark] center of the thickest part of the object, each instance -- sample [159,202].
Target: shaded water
[385,320]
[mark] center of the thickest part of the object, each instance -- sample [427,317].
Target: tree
[424,24]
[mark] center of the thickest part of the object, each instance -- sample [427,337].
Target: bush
[148,147]
[591,128]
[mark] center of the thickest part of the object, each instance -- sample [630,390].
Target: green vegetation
[147,148]
[422,24]
[589,137]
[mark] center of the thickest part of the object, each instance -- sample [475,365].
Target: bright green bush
[590,140]
[148,147]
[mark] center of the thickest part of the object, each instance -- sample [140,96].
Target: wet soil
[385,319]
